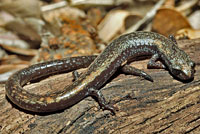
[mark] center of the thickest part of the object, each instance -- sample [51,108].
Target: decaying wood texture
[163,106]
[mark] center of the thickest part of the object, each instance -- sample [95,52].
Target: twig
[149,16]
[53,6]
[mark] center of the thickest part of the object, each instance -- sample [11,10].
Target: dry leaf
[170,3]
[71,12]
[10,39]
[188,33]
[5,17]
[2,53]
[194,19]
[168,21]
[28,52]
[13,59]
[7,68]
[114,23]
[95,15]
[10,64]
[22,8]
[91,2]
[25,31]
[186,6]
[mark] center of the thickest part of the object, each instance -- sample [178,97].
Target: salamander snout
[184,71]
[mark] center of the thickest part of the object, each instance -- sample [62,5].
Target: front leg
[134,71]
[154,64]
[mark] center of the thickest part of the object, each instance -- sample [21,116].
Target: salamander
[164,53]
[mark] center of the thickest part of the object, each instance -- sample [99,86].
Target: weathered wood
[164,106]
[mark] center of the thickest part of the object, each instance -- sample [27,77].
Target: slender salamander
[99,70]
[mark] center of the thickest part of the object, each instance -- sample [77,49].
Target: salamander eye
[172,38]
[176,71]
[192,64]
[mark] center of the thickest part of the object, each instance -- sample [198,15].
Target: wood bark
[164,106]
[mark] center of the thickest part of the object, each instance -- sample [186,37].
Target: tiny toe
[146,76]
[75,75]
[110,108]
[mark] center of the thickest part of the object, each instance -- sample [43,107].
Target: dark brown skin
[100,69]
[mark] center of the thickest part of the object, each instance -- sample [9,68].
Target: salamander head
[182,66]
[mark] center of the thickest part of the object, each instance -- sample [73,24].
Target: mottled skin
[122,49]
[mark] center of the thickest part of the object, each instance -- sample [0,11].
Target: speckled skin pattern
[122,49]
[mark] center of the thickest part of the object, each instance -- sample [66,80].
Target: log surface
[164,106]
